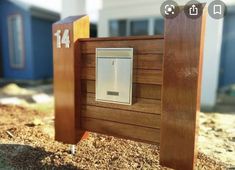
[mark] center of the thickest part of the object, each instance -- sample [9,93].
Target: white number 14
[65,38]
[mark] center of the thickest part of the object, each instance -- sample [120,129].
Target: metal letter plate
[114,69]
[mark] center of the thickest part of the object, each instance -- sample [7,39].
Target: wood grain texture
[146,91]
[139,75]
[181,90]
[66,87]
[144,37]
[141,61]
[121,130]
[141,46]
[122,116]
[140,104]
[144,114]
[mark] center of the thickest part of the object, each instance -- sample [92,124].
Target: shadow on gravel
[14,156]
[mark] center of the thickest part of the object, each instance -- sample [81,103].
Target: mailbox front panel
[114,75]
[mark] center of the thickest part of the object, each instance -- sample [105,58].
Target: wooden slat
[139,76]
[121,130]
[139,105]
[140,46]
[67,78]
[141,61]
[121,116]
[181,90]
[141,37]
[148,76]
[147,91]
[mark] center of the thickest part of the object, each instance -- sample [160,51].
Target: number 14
[65,38]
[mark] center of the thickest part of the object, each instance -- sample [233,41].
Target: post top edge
[70,19]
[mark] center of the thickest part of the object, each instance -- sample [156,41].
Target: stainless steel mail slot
[114,69]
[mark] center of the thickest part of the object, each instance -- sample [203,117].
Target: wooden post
[67,83]
[181,90]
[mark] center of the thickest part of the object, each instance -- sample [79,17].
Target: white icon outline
[217,9]
[169,9]
[193,10]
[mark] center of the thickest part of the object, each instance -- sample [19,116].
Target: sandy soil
[217,136]
[26,141]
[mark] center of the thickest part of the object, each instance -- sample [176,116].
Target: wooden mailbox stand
[167,80]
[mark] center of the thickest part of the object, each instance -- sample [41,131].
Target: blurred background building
[133,18]
[26,35]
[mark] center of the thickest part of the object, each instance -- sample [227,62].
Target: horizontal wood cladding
[139,104]
[139,121]
[147,91]
[121,116]
[121,130]
[144,37]
[141,61]
[139,75]
[146,46]
[148,56]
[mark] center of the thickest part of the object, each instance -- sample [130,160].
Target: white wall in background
[73,7]
[211,65]
[92,8]
[81,7]
[211,62]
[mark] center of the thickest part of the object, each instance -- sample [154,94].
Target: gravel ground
[26,142]
[217,136]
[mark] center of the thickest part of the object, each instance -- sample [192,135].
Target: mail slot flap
[114,68]
[114,52]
